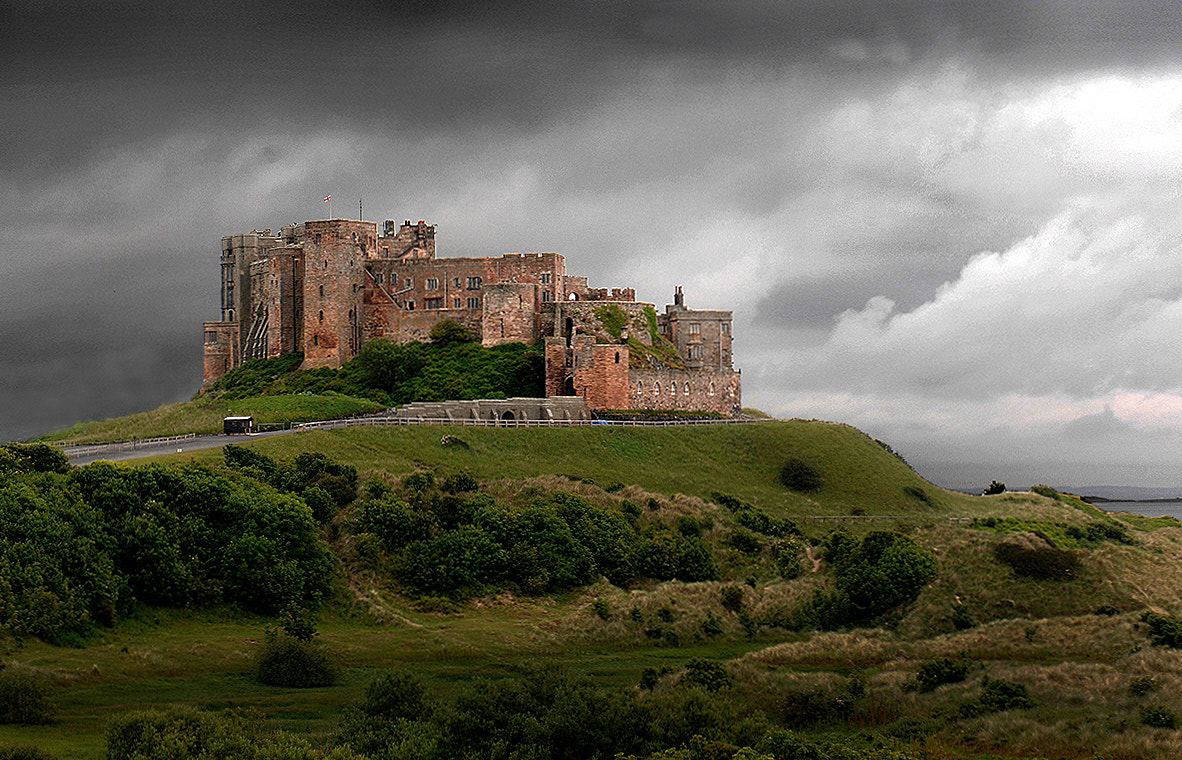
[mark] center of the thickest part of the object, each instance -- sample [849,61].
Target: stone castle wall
[327,287]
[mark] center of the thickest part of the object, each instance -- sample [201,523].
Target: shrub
[25,753]
[798,475]
[602,609]
[395,695]
[1142,685]
[459,482]
[918,493]
[712,626]
[419,481]
[787,554]
[744,540]
[1164,630]
[997,695]
[1158,716]
[1042,562]
[1046,491]
[994,488]
[732,598]
[934,673]
[285,660]
[807,707]
[446,332]
[709,674]
[26,698]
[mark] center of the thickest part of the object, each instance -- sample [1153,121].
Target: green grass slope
[204,415]
[858,473]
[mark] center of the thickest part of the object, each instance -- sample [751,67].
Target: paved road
[80,455]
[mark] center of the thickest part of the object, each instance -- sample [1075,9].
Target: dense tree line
[451,366]
[541,713]
[447,539]
[84,546]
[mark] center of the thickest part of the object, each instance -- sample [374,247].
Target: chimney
[678,298]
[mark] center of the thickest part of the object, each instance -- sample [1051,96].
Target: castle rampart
[326,287]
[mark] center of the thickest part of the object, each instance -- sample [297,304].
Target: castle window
[354,237]
[433,303]
[378,279]
[639,387]
[456,303]
[456,282]
[410,282]
[322,316]
[315,340]
[672,389]
[410,305]
[211,336]
[317,238]
[474,283]
[695,328]
[386,252]
[657,388]
[473,303]
[432,283]
[711,387]
[617,357]
[695,351]
[547,296]
[726,328]
[686,389]
[545,278]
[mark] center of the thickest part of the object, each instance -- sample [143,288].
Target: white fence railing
[469,422]
[86,449]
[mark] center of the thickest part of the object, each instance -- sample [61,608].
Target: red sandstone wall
[696,390]
[334,284]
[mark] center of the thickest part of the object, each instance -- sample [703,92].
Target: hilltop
[863,610]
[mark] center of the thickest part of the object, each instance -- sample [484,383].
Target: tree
[995,488]
[448,331]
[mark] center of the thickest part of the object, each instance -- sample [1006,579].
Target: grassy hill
[1037,592]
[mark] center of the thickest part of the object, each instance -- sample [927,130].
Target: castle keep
[326,287]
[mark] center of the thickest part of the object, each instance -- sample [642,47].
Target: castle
[326,287]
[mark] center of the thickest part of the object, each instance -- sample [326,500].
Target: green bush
[446,332]
[994,488]
[26,698]
[877,574]
[1046,491]
[935,673]
[1164,630]
[798,475]
[919,494]
[1159,716]
[997,695]
[732,598]
[459,482]
[1142,685]
[709,674]
[284,660]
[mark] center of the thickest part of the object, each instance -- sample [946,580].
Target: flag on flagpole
[327,199]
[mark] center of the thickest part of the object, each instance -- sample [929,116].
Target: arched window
[711,387]
[322,316]
[639,388]
[617,357]
[687,389]
[657,388]
[672,389]
[315,340]
[322,291]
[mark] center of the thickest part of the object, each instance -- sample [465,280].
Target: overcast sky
[952,225]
